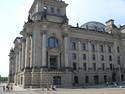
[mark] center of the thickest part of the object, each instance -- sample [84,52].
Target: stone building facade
[51,51]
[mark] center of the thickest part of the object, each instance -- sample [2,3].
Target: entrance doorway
[76,80]
[96,79]
[105,78]
[113,76]
[122,77]
[53,62]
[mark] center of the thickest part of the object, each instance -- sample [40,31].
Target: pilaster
[44,50]
[27,51]
[66,53]
[23,53]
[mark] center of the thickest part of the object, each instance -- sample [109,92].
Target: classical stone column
[89,56]
[16,65]
[80,64]
[31,52]
[66,55]
[44,61]
[23,54]
[27,52]
[107,57]
[20,57]
[98,59]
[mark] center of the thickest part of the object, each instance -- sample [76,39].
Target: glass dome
[93,25]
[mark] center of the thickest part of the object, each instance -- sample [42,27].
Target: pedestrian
[107,84]
[7,87]
[11,87]
[54,87]
[3,88]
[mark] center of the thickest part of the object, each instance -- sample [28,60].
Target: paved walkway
[18,90]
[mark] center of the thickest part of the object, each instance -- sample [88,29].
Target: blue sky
[13,13]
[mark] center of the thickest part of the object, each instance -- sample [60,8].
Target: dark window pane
[73,45]
[84,56]
[83,46]
[85,66]
[74,66]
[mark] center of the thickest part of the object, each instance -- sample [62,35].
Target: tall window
[73,45]
[74,66]
[101,48]
[93,57]
[118,60]
[53,42]
[93,47]
[102,57]
[118,50]
[84,66]
[94,66]
[109,49]
[84,56]
[111,67]
[74,56]
[103,66]
[110,58]
[83,46]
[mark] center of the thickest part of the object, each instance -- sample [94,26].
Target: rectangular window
[118,60]
[73,45]
[118,50]
[93,57]
[74,56]
[83,46]
[103,66]
[111,67]
[102,57]
[84,56]
[94,66]
[101,48]
[93,47]
[84,66]
[74,66]
[109,49]
[110,58]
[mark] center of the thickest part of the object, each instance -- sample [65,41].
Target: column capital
[65,34]
[29,34]
[23,39]
[16,50]
[66,27]
[43,32]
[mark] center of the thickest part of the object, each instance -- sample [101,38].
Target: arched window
[53,42]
